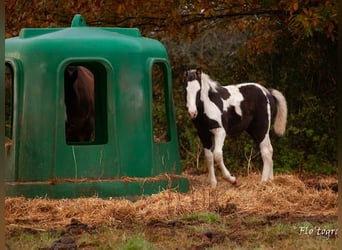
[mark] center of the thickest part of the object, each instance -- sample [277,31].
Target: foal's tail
[281,116]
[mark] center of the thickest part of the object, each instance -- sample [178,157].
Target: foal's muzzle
[193,114]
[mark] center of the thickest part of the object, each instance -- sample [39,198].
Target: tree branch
[186,18]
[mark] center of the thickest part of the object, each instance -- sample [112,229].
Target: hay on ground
[285,194]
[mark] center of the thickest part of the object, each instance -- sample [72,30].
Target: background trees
[289,45]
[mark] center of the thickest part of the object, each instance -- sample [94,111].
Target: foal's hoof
[233,180]
[213,185]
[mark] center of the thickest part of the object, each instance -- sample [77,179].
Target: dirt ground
[289,209]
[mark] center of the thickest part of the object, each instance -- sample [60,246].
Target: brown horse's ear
[71,73]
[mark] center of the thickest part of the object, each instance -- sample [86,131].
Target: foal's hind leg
[220,135]
[266,153]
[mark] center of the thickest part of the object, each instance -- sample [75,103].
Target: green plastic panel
[121,61]
[131,189]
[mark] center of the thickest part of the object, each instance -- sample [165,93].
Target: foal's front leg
[219,137]
[209,157]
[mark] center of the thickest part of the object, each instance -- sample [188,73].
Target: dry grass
[286,194]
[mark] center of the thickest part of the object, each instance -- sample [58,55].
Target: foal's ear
[199,72]
[185,74]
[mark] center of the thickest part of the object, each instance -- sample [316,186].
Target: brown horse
[79,102]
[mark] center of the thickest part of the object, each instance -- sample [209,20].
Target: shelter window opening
[160,122]
[85,103]
[9,80]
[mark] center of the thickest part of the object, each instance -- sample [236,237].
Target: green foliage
[310,144]
[25,239]
[189,143]
[202,217]
[137,243]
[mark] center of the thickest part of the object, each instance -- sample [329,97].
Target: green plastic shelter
[129,154]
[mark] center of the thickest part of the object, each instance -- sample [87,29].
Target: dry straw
[286,194]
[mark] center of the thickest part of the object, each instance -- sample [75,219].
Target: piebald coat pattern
[218,111]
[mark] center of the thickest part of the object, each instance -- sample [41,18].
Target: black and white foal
[218,111]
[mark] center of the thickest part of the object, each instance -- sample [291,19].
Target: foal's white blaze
[191,91]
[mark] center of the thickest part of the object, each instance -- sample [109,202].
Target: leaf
[295,6]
